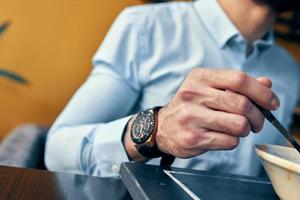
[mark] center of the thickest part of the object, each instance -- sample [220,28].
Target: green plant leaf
[13,76]
[4,26]
[5,73]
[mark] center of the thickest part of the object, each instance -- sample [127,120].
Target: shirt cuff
[107,152]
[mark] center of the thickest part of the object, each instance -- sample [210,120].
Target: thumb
[265,81]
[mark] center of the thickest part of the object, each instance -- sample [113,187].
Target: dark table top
[152,182]
[142,181]
[16,183]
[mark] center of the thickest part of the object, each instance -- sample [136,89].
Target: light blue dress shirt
[141,63]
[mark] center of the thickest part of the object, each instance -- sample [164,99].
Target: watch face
[143,127]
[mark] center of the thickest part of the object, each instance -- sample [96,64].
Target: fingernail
[275,103]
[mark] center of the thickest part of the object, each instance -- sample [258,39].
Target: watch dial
[142,127]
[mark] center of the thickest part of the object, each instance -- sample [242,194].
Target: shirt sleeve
[86,137]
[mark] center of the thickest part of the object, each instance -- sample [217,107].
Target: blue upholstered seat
[24,147]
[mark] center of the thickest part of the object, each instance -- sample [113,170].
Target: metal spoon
[271,118]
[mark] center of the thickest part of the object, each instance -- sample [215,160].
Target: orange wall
[51,43]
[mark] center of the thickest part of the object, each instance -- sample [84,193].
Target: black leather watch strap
[149,152]
[166,161]
[153,152]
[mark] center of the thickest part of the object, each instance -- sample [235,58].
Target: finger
[239,82]
[241,105]
[217,141]
[232,124]
[266,81]
[233,103]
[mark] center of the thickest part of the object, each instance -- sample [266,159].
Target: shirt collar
[221,27]
[266,41]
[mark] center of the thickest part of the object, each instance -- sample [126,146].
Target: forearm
[93,149]
[80,149]
[63,147]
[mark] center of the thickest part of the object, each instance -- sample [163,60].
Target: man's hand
[211,111]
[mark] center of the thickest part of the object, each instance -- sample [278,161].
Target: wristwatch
[143,132]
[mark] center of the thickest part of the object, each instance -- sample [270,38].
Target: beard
[282,5]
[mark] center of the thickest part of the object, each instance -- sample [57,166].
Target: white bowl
[283,167]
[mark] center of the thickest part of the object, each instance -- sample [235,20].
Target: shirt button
[115,169]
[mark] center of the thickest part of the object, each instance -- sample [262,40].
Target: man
[206,62]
